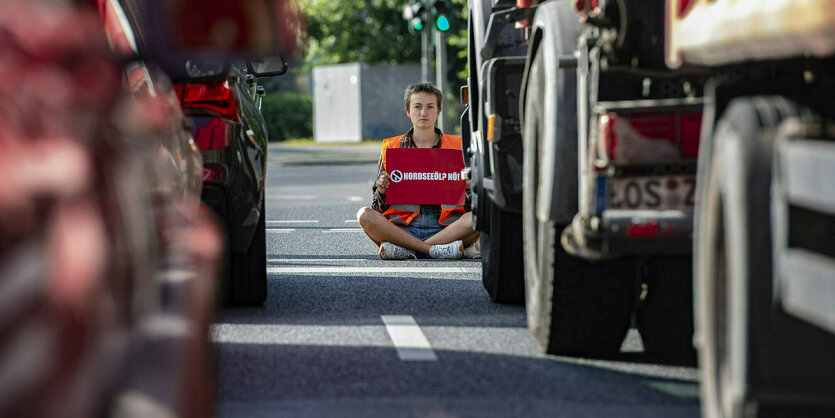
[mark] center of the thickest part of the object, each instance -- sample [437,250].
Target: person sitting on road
[404,231]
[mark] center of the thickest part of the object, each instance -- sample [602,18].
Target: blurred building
[353,102]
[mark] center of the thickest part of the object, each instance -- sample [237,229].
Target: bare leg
[380,230]
[461,229]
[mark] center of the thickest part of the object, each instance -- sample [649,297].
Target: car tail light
[681,129]
[215,96]
[211,133]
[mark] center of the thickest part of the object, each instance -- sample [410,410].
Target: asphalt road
[345,334]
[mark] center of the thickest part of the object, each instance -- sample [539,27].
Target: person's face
[423,110]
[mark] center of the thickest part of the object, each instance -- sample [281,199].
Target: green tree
[374,31]
[366,31]
[457,44]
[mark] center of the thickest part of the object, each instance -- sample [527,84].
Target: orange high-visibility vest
[402,215]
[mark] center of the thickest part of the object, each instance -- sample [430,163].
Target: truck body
[668,162]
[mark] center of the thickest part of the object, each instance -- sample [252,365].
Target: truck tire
[665,316]
[753,357]
[248,281]
[574,307]
[502,271]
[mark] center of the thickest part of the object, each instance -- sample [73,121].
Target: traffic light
[442,12]
[415,14]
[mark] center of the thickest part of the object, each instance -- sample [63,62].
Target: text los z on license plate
[659,193]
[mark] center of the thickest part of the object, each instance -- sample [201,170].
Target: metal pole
[440,71]
[424,54]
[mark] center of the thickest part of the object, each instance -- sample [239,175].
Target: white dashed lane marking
[280,230]
[332,230]
[408,339]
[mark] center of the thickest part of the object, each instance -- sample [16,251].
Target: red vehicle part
[216,134]
[79,212]
[214,96]
[648,132]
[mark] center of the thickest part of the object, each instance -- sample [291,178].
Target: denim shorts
[425,223]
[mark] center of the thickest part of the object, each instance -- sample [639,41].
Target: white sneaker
[389,251]
[473,251]
[452,251]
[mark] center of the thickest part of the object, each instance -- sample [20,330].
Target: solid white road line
[292,197]
[367,336]
[335,269]
[408,339]
[299,221]
[332,230]
[309,260]
[350,221]
[279,230]
[355,198]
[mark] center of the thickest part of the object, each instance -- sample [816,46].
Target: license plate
[656,193]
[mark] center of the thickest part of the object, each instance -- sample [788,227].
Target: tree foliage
[373,32]
[457,44]
[288,115]
[366,31]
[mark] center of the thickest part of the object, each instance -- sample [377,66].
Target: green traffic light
[417,23]
[442,23]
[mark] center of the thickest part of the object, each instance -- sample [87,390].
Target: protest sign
[426,176]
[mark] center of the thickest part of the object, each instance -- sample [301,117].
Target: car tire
[248,284]
[665,316]
[574,307]
[502,269]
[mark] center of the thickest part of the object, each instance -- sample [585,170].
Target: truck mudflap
[803,216]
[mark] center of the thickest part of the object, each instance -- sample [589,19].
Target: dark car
[231,133]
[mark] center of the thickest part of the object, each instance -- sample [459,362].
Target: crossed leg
[380,230]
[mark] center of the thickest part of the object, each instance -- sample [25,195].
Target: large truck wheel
[665,316]
[248,281]
[753,357]
[502,269]
[574,307]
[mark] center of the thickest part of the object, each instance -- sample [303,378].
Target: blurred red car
[105,261]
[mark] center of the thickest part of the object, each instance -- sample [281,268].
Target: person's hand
[382,183]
